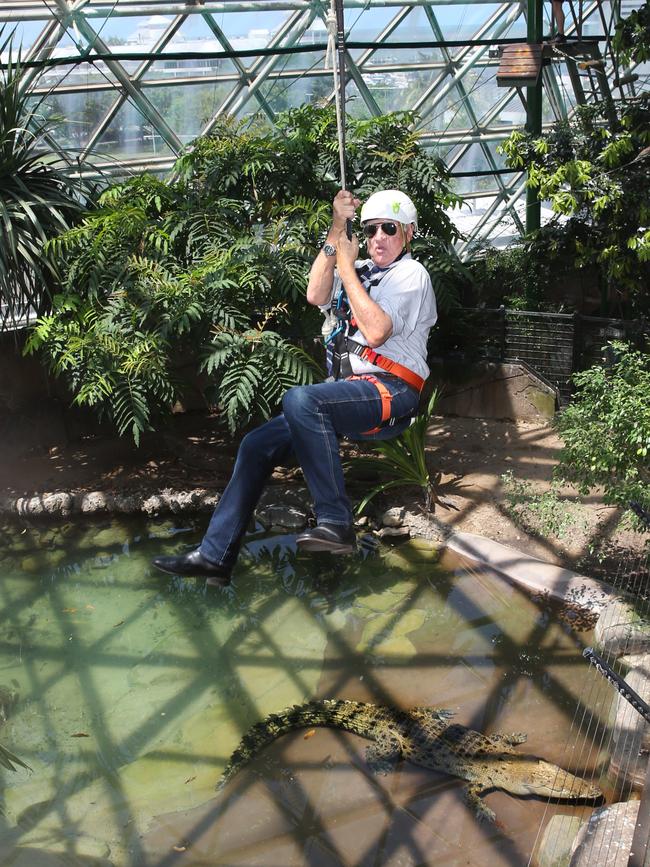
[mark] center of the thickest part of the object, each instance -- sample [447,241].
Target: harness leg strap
[386,400]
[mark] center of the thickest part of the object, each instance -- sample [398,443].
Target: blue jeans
[313,419]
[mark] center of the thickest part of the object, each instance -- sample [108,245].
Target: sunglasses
[387,228]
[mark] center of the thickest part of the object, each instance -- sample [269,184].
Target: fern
[254,369]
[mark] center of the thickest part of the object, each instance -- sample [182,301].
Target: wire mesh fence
[554,345]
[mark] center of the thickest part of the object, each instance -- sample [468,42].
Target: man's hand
[347,252]
[344,208]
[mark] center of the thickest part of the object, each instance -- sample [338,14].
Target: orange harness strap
[386,399]
[387,364]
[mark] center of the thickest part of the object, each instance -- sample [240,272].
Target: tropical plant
[402,462]
[9,761]
[594,172]
[39,195]
[211,266]
[510,276]
[632,36]
[606,429]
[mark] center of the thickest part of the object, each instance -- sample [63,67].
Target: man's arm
[321,276]
[374,323]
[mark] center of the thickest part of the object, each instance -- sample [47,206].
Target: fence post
[576,362]
[502,313]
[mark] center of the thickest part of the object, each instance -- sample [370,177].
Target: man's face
[384,248]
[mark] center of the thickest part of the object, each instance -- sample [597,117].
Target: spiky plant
[9,761]
[402,462]
[39,198]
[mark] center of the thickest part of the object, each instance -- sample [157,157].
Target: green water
[126,691]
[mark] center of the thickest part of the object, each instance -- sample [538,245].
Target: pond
[126,691]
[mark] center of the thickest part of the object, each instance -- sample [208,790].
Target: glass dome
[137,80]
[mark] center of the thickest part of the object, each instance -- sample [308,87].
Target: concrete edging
[535,575]
[62,504]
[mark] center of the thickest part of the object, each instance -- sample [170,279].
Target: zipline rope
[336,45]
[336,59]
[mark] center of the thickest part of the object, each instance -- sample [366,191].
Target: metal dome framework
[138,80]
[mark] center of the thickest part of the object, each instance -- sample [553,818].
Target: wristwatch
[329,249]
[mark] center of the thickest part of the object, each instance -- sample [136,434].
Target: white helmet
[390,205]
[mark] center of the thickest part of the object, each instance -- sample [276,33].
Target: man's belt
[387,364]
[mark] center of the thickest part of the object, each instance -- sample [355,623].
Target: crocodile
[424,736]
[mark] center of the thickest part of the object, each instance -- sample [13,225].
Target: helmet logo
[396,207]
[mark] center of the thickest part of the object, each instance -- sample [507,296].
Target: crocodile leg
[383,754]
[475,802]
[437,714]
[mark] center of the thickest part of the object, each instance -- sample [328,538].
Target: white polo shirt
[404,292]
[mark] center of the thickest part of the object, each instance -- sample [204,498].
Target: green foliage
[259,367]
[449,276]
[402,461]
[543,513]
[594,173]
[606,429]
[39,198]
[632,36]
[512,277]
[212,265]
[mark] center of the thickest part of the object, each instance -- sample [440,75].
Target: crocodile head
[549,781]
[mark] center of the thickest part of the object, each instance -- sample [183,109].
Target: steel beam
[112,111]
[142,104]
[34,10]
[534,112]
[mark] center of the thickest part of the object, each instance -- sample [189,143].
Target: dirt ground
[471,454]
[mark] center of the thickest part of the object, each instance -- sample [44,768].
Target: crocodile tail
[331,713]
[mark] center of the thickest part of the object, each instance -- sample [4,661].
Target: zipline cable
[336,31]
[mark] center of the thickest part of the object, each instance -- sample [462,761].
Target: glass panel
[365,25]
[388,55]
[284,93]
[130,135]
[462,21]
[188,108]
[397,90]
[251,30]
[78,115]
[355,104]
[173,69]
[26,33]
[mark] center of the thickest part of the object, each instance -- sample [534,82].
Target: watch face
[329,249]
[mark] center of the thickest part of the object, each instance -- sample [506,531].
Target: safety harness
[340,344]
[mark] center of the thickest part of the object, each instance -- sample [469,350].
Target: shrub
[632,36]
[594,172]
[606,429]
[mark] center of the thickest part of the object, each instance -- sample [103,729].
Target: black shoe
[195,565]
[553,40]
[328,537]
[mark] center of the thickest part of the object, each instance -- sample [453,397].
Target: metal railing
[555,345]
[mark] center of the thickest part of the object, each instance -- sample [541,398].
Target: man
[560,20]
[383,309]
